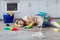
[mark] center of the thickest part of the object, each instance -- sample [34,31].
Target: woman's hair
[23,21]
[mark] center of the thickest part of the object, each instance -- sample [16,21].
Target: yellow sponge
[56,30]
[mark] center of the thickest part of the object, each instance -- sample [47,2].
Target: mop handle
[41,28]
[41,24]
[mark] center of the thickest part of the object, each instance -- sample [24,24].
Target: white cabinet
[52,7]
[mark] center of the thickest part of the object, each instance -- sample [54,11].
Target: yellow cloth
[10,13]
[29,25]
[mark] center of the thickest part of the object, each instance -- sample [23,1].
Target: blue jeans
[46,24]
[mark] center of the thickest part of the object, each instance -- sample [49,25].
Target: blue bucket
[7,18]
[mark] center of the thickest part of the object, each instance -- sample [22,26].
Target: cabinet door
[52,8]
[1,9]
[58,8]
[38,6]
[24,11]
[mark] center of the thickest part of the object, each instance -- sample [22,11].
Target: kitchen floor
[26,34]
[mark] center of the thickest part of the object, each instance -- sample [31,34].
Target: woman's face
[20,23]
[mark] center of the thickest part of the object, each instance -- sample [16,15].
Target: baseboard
[1,19]
[56,18]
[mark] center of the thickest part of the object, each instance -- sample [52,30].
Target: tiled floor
[27,34]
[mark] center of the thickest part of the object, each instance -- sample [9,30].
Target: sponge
[56,30]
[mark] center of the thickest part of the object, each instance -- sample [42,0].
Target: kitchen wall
[32,7]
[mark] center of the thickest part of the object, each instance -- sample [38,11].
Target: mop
[39,34]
